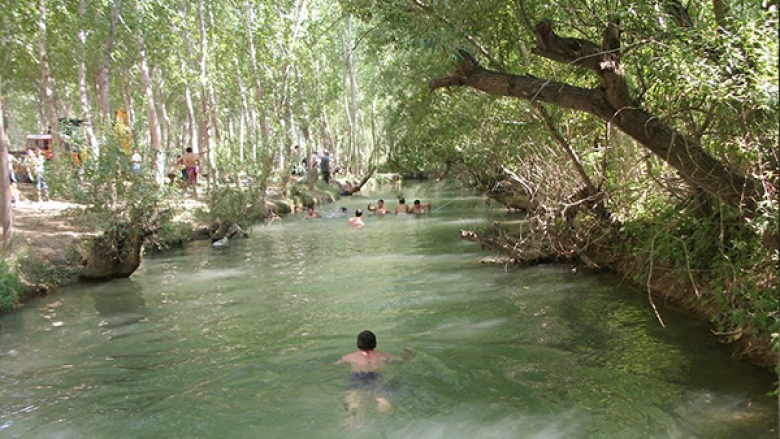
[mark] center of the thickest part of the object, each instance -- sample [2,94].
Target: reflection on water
[239,341]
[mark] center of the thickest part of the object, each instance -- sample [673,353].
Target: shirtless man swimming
[420,208]
[366,369]
[402,207]
[380,208]
[357,220]
[312,214]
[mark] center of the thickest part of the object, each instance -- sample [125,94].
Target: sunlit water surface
[239,341]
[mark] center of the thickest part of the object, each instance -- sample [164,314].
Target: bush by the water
[10,288]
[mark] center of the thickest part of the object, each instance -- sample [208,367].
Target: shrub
[10,288]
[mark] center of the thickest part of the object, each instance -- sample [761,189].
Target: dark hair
[343,210]
[381,201]
[416,202]
[366,341]
[401,201]
[189,149]
[359,212]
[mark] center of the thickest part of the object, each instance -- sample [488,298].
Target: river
[240,341]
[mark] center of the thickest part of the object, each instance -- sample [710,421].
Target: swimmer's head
[401,201]
[416,202]
[366,341]
[359,212]
[343,210]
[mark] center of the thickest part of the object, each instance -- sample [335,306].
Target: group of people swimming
[379,209]
[402,207]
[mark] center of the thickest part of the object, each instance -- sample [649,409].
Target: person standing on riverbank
[325,166]
[190,160]
[36,170]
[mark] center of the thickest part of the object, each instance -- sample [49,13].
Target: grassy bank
[715,267]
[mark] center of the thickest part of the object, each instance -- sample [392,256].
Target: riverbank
[740,310]
[47,239]
[52,241]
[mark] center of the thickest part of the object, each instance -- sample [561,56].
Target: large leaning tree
[693,83]
[612,102]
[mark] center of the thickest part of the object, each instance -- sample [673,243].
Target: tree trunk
[189,109]
[611,103]
[166,121]
[306,124]
[105,101]
[184,66]
[130,110]
[722,13]
[6,208]
[259,94]
[39,104]
[205,126]
[48,86]
[352,103]
[86,109]
[244,121]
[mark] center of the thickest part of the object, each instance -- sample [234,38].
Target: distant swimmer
[357,220]
[402,207]
[312,214]
[420,208]
[380,208]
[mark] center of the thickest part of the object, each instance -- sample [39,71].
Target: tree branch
[611,103]
[527,87]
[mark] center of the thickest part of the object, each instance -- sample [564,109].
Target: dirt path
[47,229]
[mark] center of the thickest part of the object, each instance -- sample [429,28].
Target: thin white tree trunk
[205,128]
[6,208]
[259,94]
[184,66]
[155,133]
[352,107]
[48,86]
[306,123]
[86,109]
[64,102]
[130,110]
[374,135]
[105,102]
[39,103]
[244,120]
[163,112]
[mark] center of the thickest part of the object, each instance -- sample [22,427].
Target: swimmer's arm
[370,208]
[407,354]
[343,360]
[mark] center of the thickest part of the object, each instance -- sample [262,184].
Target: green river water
[239,341]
